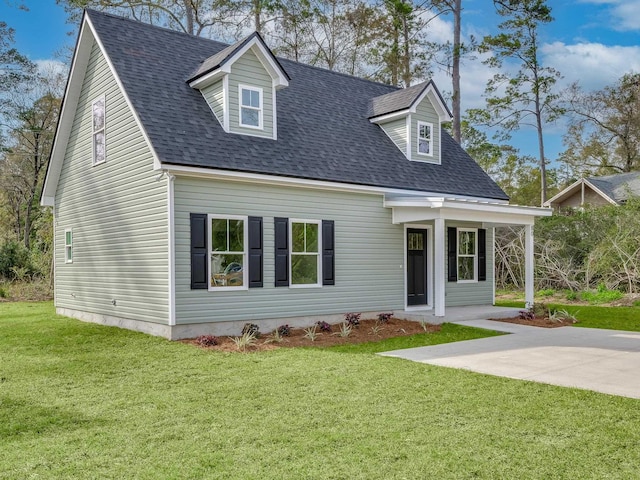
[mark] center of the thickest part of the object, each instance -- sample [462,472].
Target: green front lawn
[614,318]
[83,401]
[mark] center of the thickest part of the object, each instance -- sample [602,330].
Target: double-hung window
[305,253]
[228,252]
[250,107]
[68,246]
[467,254]
[98,120]
[425,138]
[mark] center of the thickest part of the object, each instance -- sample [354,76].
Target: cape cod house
[197,186]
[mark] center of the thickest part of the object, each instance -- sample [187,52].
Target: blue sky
[591,41]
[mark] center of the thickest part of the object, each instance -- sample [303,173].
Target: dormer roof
[404,101]
[220,63]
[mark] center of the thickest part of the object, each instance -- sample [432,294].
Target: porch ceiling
[415,209]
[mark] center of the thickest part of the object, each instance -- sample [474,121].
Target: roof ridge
[225,45]
[93,11]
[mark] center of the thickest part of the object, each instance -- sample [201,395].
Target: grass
[84,401]
[589,316]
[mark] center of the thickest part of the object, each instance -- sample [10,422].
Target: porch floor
[460,314]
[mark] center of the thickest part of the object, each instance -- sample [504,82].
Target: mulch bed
[543,322]
[365,332]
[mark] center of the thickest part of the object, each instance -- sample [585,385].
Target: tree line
[388,41]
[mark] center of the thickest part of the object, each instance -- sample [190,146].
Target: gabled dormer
[412,118]
[240,83]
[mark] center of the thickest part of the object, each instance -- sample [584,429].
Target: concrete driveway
[606,361]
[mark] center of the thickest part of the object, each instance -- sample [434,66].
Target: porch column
[439,255]
[528,265]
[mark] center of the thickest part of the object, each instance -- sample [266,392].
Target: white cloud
[625,13]
[593,65]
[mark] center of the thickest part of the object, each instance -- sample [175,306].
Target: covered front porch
[461,314]
[436,215]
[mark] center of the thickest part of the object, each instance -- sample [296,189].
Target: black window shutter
[255,252]
[281,227]
[482,254]
[199,273]
[328,253]
[452,240]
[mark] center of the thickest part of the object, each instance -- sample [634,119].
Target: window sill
[306,285]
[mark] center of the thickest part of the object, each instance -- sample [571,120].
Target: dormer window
[425,139]
[250,107]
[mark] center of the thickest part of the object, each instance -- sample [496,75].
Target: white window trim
[260,108]
[475,256]
[103,130]
[68,247]
[418,138]
[319,256]
[245,258]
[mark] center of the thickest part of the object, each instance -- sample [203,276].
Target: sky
[593,42]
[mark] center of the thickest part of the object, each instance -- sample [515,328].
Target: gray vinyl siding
[476,293]
[369,252]
[117,210]
[425,113]
[248,70]
[397,131]
[214,95]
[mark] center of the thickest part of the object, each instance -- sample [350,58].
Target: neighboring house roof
[618,187]
[402,99]
[323,130]
[615,189]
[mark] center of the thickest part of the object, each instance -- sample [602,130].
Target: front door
[416,267]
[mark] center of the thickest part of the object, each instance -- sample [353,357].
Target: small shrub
[323,326]
[384,317]
[252,329]
[353,319]
[636,303]
[3,293]
[207,340]
[571,295]
[345,330]
[311,333]
[275,336]
[284,330]
[246,340]
[562,316]
[424,325]
[547,292]
[376,329]
[526,315]
[539,309]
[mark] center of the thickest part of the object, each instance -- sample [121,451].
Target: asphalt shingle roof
[323,129]
[618,187]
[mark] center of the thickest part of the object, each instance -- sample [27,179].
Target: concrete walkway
[606,361]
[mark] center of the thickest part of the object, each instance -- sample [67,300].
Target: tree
[401,53]
[526,97]
[31,116]
[196,17]
[604,128]
[457,49]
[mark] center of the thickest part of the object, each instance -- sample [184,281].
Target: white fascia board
[265,57]
[210,77]
[219,174]
[434,98]
[389,116]
[600,192]
[404,211]
[402,215]
[67,113]
[563,193]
